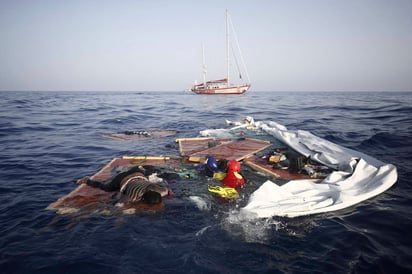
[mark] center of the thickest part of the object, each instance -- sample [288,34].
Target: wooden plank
[189,146]
[268,169]
[195,139]
[234,150]
[164,158]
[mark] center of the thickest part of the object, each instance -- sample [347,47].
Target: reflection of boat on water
[223,86]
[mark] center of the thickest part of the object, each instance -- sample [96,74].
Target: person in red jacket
[234,178]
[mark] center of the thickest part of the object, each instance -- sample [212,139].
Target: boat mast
[203,65]
[227,48]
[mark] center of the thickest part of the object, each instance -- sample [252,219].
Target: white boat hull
[225,90]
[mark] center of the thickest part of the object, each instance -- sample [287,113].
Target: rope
[238,47]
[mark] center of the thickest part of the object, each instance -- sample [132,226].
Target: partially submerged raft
[193,150]
[354,177]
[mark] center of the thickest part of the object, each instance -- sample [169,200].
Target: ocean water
[48,140]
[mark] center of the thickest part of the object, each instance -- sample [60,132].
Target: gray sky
[287,45]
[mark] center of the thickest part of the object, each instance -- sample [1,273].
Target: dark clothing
[135,190]
[136,186]
[114,184]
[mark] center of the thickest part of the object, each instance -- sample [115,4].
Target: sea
[50,139]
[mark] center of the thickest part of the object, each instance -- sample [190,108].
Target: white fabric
[357,177]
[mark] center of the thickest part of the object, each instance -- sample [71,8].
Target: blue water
[50,139]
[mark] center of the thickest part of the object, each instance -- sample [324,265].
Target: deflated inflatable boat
[356,177]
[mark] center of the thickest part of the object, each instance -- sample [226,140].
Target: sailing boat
[222,86]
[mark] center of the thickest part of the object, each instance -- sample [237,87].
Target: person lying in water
[140,183]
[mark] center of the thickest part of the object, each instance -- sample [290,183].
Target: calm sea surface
[50,139]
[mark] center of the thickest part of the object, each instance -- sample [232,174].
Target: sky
[154,45]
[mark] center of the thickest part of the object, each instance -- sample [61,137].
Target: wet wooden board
[189,146]
[90,199]
[152,134]
[234,150]
[255,163]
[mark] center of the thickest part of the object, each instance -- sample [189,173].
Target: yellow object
[224,192]
[237,175]
[219,175]
[197,159]
[274,159]
[277,157]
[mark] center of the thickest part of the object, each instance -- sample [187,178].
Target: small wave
[252,230]
[389,141]
[200,232]
[201,203]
